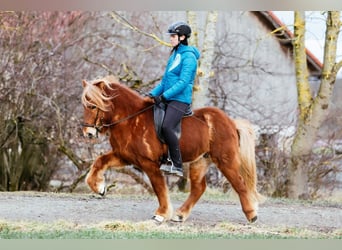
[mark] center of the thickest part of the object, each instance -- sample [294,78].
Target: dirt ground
[91,209]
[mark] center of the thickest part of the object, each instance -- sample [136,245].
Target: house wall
[258,79]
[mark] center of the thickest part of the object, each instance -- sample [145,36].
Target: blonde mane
[94,95]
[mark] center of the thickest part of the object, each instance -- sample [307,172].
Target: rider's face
[174,39]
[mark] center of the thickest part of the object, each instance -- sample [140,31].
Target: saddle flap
[158,116]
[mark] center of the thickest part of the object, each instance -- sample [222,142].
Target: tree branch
[338,66]
[79,163]
[120,19]
[304,93]
[137,178]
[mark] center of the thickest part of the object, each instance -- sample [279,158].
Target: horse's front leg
[95,177]
[165,210]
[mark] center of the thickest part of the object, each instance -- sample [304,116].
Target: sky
[315,32]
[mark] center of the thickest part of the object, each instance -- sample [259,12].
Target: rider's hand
[158,99]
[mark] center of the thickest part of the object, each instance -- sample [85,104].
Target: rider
[175,90]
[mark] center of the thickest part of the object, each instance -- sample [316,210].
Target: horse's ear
[102,85]
[84,83]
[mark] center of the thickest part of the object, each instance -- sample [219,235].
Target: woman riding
[175,90]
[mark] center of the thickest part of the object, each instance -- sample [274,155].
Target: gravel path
[90,209]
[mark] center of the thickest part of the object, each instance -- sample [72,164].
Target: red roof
[285,36]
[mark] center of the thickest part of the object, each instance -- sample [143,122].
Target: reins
[128,117]
[118,121]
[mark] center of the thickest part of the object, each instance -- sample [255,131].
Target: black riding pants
[173,116]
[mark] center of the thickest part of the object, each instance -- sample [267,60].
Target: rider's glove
[158,99]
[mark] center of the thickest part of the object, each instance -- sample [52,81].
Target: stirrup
[176,171]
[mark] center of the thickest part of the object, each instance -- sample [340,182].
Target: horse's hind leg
[95,178]
[198,185]
[231,172]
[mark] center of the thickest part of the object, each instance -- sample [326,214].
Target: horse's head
[96,100]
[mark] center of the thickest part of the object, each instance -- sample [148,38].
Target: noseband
[97,127]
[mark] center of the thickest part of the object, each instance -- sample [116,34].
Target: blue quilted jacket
[179,75]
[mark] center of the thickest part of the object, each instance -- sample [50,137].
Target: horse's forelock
[93,94]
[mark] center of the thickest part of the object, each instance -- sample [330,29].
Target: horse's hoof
[102,190]
[177,218]
[254,219]
[158,219]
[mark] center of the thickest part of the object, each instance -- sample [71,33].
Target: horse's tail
[247,157]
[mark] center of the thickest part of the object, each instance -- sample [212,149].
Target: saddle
[159,114]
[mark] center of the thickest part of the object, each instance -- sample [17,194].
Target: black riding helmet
[180,28]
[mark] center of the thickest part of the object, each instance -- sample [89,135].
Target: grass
[149,230]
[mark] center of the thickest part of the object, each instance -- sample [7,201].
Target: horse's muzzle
[89,136]
[90,133]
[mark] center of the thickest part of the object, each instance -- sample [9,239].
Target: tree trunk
[312,110]
[201,98]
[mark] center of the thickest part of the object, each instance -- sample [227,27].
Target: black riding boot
[173,115]
[173,164]
[176,158]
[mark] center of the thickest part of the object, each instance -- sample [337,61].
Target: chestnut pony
[209,135]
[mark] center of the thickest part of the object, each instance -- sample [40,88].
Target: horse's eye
[91,107]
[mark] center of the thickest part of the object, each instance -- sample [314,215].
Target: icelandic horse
[209,135]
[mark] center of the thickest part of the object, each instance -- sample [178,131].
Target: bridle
[99,127]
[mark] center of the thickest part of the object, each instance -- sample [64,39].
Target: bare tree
[312,109]
[35,96]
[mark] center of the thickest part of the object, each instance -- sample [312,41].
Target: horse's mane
[100,91]
[94,95]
